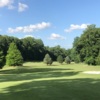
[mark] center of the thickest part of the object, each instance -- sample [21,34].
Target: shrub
[67,60]
[60,59]
[47,59]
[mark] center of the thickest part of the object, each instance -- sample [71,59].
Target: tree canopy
[87,47]
[1,59]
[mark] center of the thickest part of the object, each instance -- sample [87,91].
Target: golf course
[49,50]
[37,81]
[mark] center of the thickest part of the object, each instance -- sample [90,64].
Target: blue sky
[56,22]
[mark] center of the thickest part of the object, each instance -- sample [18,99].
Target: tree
[1,59]
[33,49]
[77,59]
[73,54]
[56,51]
[60,59]
[14,57]
[76,39]
[90,60]
[98,59]
[47,59]
[4,44]
[88,45]
[67,60]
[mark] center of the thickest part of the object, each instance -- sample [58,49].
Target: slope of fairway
[37,81]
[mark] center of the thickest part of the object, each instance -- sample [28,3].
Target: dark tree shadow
[30,70]
[58,89]
[36,73]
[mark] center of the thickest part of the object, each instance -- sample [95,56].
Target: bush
[47,59]
[67,60]
[60,59]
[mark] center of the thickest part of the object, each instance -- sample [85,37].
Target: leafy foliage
[85,48]
[67,60]
[88,45]
[32,49]
[56,51]
[1,59]
[98,59]
[14,57]
[90,61]
[73,54]
[47,59]
[77,59]
[60,59]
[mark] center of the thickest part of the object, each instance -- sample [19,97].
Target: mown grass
[37,81]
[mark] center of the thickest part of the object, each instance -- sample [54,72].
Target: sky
[55,22]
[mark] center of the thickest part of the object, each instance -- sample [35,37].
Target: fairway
[37,81]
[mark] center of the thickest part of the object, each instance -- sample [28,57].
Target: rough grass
[37,81]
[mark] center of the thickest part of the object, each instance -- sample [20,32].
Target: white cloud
[76,27]
[7,3]
[22,7]
[30,28]
[56,36]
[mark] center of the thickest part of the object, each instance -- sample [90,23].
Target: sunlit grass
[37,81]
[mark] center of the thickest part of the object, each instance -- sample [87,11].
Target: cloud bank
[76,27]
[10,5]
[30,28]
[4,3]
[7,3]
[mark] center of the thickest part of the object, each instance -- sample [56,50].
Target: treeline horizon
[86,48]
[31,49]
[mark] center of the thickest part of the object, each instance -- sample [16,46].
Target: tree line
[86,48]
[31,49]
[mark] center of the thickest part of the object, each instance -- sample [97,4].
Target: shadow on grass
[29,70]
[58,89]
[36,73]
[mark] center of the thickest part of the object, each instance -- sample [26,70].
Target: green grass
[36,81]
